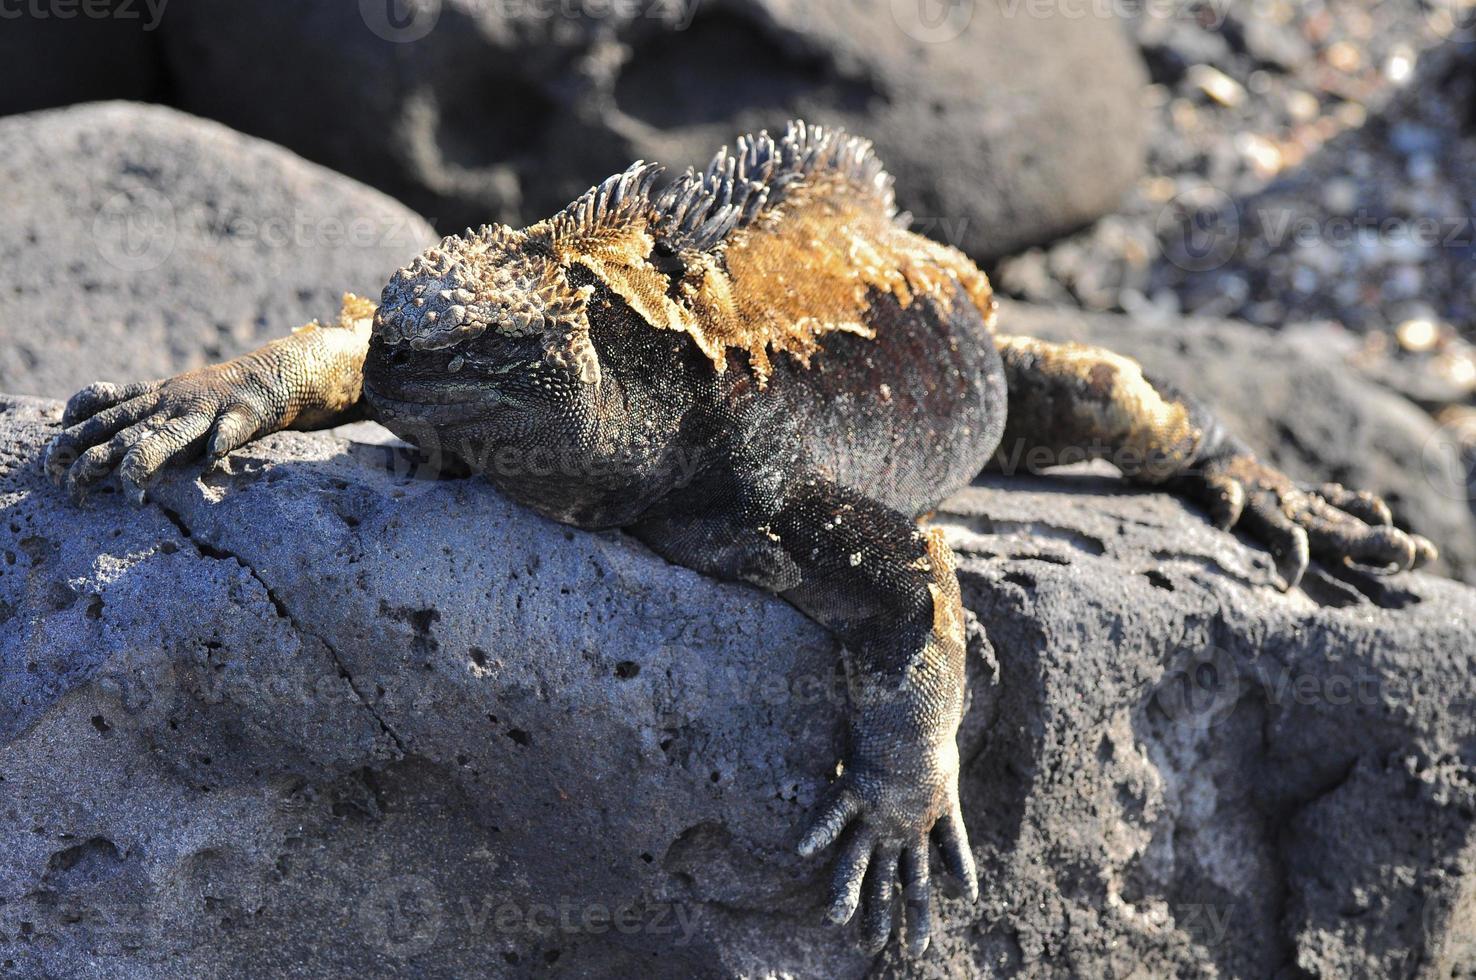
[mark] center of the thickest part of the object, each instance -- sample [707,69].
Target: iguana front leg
[311,379]
[888,591]
[1071,402]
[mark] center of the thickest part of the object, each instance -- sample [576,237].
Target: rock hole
[1159,580]
[627,669]
[101,724]
[1023,579]
[519,736]
[94,853]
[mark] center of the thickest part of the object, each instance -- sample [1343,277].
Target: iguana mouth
[432,401]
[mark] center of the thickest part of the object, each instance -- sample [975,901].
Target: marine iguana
[761,373]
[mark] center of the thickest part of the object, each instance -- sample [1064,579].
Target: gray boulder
[323,714]
[1300,408]
[139,242]
[1006,123]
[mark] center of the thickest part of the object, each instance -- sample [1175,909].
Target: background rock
[1307,415]
[1006,123]
[323,714]
[139,242]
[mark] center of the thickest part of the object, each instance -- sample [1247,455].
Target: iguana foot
[309,379]
[1297,522]
[136,429]
[883,818]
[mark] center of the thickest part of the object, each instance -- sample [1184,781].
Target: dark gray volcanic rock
[1007,123]
[1306,413]
[322,714]
[139,242]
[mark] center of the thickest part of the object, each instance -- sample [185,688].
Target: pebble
[1217,85]
[1344,57]
[1273,43]
[1399,66]
[1417,335]
[1340,195]
[1263,154]
[1302,106]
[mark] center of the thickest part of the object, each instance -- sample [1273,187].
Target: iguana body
[759,372]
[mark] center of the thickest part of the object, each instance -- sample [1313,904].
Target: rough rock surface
[325,715]
[139,242]
[1006,123]
[1309,416]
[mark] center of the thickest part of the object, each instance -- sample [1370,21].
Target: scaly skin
[761,374]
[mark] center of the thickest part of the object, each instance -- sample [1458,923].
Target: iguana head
[493,283]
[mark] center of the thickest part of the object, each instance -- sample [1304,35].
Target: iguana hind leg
[1069,402]
[311,379]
